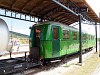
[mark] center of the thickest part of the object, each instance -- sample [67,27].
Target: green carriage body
[57,40]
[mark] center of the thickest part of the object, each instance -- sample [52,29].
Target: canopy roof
[49,10]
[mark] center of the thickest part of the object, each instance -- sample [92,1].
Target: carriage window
[55,33]
[66,34]
[89,37]
[74,35]
[37,33]
[92,37]
[84,37]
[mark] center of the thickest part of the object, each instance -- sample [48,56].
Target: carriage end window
[55,33]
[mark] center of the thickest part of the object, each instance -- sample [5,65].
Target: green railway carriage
[56,40]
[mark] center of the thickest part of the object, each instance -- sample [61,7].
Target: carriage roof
[63,26]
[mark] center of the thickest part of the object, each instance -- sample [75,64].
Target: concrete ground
[91,66]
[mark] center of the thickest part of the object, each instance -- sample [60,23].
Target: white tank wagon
[4,37]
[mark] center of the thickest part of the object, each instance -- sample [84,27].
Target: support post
[10,54]
[99,39]
[41,19]
[25,56]
[96,34]
[99,35]
[80,40]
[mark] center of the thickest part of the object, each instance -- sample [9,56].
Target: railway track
[49,66]
[22,50]
[15,53]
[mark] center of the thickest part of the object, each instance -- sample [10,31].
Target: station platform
[90,66]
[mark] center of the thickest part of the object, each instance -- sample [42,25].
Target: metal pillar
[25,56]
[80,40]
[41,19]
[99,39]
[10,54]
[99,35]
[96,35]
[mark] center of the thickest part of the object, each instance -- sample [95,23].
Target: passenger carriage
[56,40]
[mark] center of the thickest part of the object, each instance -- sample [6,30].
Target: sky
[95,5]
[23,26]
[19,26]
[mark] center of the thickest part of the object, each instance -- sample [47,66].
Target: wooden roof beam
[27,2]
[59,18]
[58,15]
[41,1]
[50,11]
[13,3]
[66,8]
[67,17]
[53,12]
[62,19]
[46,7]
[67,22]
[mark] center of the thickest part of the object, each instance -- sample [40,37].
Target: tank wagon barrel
[4,36]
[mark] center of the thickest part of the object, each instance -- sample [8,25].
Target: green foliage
[18,35]
[23,39]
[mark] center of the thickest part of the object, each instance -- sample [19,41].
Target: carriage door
[55,41]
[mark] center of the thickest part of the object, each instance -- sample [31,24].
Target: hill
[22,38]
[18,35]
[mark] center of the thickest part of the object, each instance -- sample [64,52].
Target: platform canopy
[49,10]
